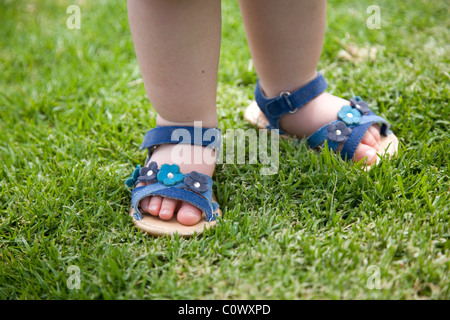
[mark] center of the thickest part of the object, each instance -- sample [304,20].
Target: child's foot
[165,208]
[322,110]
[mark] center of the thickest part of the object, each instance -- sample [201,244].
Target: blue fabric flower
[169,174]
[197,182]
[148,173]
[349,115]
[338,132]
[360,105]
[134,176]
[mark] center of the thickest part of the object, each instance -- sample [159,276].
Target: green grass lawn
[73,112]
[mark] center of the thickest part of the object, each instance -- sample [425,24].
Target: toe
[375,130]
[369,139]
[154,205]
[168,207]
[144,204]
[367,152]
[188,214]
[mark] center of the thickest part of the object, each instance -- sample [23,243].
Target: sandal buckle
[285,95]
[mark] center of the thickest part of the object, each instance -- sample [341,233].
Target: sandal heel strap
[206,137]
[286,102]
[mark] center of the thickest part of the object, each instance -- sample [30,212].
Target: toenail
[189,213]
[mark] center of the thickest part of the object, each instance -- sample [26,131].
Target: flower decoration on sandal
[169,174]
[349,115]
[134,177]
[360,105]
[148,173]
[338,131]
[196,182]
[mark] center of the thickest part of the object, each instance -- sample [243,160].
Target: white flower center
[197,184]
[150,172]
[358,106]
[170,175]
[338,132]
[350,115]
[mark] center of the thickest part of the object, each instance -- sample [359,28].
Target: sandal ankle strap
[286,102]
[206,137]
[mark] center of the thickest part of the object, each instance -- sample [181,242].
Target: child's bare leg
[177,45]
[285,38]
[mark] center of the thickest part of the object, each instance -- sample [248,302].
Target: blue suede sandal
[353,119]
[167,181]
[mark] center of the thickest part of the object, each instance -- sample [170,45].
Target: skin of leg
[177,46]
[285,39]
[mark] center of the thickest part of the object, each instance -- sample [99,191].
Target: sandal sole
[156,226]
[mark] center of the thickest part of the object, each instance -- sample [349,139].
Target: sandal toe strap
[194,188]
[338,132]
